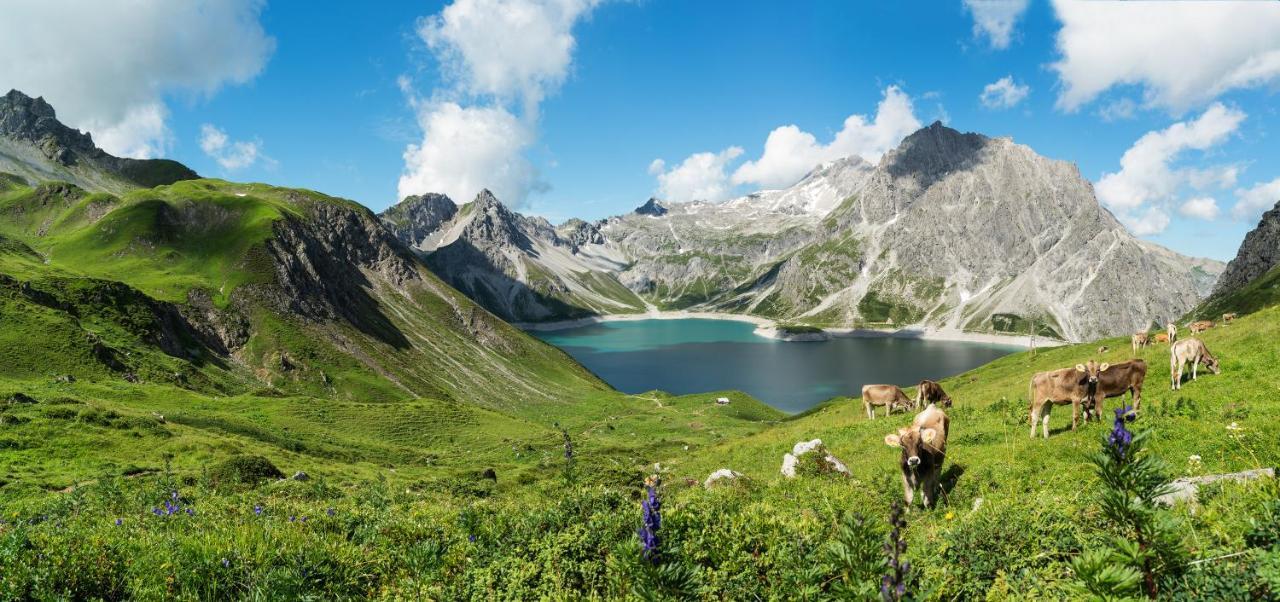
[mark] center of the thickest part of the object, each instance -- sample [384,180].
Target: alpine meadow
[219,381]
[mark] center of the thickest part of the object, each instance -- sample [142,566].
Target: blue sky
[563,106]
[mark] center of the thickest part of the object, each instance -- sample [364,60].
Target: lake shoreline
[767,328]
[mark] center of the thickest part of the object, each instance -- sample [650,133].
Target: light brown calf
[1201,326]
[924,448]
[1162,337]
[1061,387]
[1229,317]
[889,396]
[928,392]
[1193,351]
[1140,340]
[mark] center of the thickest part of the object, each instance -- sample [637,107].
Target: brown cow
[1201,326]
[1227,318]
[1140,340]
[1162,337]
[928,392]
[1066,386]
[889,396]
[924,448]
[1116,380]
[1193,351]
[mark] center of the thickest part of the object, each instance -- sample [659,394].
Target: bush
[243,471]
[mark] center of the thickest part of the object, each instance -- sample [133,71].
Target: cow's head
[913,442]
[1091,371]
[1213,364]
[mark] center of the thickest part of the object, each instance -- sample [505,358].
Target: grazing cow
[1116,380]
[1172,330]
[1140,340]
[1162,337]
[928,392]
[924,447]
[1201,326]
[889,396]
[1066,386]
[1193,351]
[1227,318]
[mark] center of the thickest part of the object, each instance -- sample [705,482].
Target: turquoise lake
[699,355]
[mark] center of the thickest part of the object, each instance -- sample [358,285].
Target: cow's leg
[929,489]
[1195,365]
[908,492]
[866,405]
[1136,391]
[1035,417]
[1075,413]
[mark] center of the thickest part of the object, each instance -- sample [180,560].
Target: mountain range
[949,231]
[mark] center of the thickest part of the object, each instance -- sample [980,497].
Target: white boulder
[721,475]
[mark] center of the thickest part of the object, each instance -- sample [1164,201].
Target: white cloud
[1146,174]
[231,155]
[506,48]
[497,55]
[1253,202]
[1153,221]
[1003,93]
[996,19]
[107,68]
[1118,110]
[1205,208]
[700,177]
[1182,54]
[467,149]
[790,153]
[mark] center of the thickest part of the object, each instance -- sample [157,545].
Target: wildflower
[1120,437]
[292,518]
[951,516]
[226,563]
[257,510]
[191,512]
[651,521]
[330,512]
[157,512]
[119,521]
[893,586]
[1194,458]
[304,519]
[471,538]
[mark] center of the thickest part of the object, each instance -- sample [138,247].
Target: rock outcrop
[35,145]
[1258,254]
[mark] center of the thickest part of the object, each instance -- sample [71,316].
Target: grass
[438,465]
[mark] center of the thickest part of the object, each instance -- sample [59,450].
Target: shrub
[243,470]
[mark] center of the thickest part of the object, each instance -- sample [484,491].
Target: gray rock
[301,476]
[1185,489]
[1258,254]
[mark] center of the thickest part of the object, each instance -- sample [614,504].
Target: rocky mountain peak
[1258,254]
[418,216]
[934,151]
[651,207]
[39,147]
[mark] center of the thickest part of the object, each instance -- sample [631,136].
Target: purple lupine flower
[257,510]
[157,512]
[1120,437]
[650,521]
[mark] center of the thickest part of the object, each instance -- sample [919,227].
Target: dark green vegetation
[206,337]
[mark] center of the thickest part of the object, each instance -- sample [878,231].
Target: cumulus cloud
[1147,175]
[1205,208]
[1182,54]
[1251,203]
[501,58]
[700,177]
[1152,221]
[790,153]
[1003,93]
[468,149]
[996,19]
[108,69]
[230,154]
[1118,110]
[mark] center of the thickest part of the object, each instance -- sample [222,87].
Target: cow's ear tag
[928,435]
[891,440]
[1080,367]
[1103,367]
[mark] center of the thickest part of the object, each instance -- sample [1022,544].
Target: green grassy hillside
[152,341]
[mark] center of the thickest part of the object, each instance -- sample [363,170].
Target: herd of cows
[1085,387]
